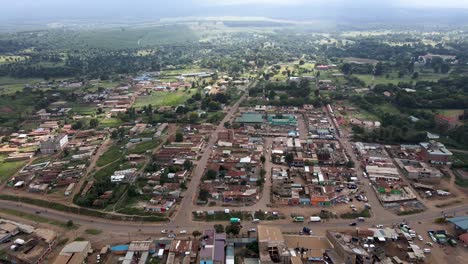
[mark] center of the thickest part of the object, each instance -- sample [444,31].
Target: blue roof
[120,248]
[460,221]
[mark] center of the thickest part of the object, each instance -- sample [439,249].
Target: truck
[298,219]
[315,219]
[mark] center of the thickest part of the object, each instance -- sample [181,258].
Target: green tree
[93,123]
[219,228]
[289,158]
[262,159]
[179,137]
[211,175]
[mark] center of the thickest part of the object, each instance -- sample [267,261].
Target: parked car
[429,244]
[171,235]
[427,250]
[420,238]
[353,224]
[183,232]
[164,231]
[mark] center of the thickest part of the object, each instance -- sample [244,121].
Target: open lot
[164,98]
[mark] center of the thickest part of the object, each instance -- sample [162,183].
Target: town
[235,147]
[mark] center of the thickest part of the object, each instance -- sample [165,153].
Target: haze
[50,10]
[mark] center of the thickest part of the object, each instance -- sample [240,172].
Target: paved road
[136,227]
[184,212]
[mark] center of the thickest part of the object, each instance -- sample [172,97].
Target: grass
[8,169]
[93,231]
[128,37]
[38,218]
[83,109]
[111,155]
[450,112]
[164,98]
[393,78]
[110,122]
[141,148]
[354,215]
[442,205]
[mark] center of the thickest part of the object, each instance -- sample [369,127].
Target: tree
[179,137]
[196,233]
[379,69]
[211,175]
[187,164]
[93,123]
[253,246]
[301,62]
[415,75]
[263,159]
[219,228]
[70,223]
[346,68]
[193,116]
[233,229]
[350,164]
[289,158]
[203,195]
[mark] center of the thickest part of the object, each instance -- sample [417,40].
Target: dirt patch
[6,109]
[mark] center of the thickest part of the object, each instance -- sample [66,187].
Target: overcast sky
[62,9]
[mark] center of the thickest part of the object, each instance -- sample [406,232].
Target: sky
[147,9]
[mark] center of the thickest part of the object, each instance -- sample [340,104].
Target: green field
[111,155]
[164,98]
[393,78]
[136,37]
[8,169]
[83,109]
[141,148]
[110,122]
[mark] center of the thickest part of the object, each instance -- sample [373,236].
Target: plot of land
[163,98]
[8,169]
[112,154]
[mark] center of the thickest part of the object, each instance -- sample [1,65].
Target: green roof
[250,118]
[460,221]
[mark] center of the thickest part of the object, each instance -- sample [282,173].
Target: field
[455,113]
[136,37]
[8,169]
[110,122]
[82,109]
[164,98]
[9,85]
[393,78]
[7,58]
[141,148]
[111,155]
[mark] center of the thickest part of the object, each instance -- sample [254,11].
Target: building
[416,170]
[54,144]
[446,121]
[435,152]
[272,246]
[74,253]
[346,250]
[212,248]
[460,222]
